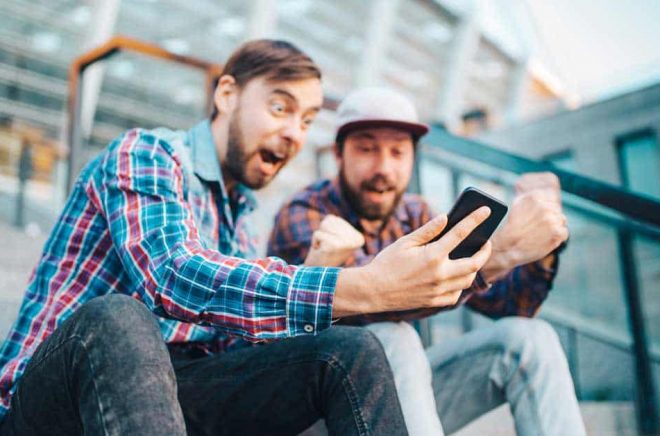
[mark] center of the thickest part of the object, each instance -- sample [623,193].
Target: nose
[385,164]
[294,133]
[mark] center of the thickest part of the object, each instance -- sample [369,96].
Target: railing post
[645,400]
[573,360]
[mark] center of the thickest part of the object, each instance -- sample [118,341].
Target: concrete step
[600,418]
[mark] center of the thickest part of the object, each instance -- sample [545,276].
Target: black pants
[106,370]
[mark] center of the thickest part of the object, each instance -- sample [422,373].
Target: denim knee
[530,338]
[352,344]
[404,350]
[118,319]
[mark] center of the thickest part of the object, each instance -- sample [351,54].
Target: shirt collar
[205,156]
[207,166]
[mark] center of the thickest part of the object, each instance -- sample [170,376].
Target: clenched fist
[536,225]
[333,243]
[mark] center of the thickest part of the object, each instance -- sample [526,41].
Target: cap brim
[417,129]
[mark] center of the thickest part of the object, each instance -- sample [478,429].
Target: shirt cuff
[537,269]
[480,284]
[309,303]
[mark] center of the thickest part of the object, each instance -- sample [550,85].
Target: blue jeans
[107,371]
[514,360]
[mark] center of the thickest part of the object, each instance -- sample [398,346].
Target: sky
[594,48]
[598,48]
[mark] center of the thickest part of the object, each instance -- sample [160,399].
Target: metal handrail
[596,215]
[634,205]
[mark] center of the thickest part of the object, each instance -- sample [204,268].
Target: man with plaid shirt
[349,220]
[138,316]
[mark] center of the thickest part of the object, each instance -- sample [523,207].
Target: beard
[237,159]
[364,208]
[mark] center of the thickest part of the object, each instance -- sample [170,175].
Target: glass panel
[589,286]
[640,164]
[647,258]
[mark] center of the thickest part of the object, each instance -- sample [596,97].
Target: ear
[226,93]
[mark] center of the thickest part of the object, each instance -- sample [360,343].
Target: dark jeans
[106,370]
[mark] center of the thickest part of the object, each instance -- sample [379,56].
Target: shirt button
[308,328]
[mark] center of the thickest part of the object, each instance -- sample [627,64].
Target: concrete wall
[589,132]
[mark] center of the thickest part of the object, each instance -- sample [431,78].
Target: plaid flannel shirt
[520,292]
[150,217]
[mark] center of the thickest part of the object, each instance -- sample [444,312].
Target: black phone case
[470,200]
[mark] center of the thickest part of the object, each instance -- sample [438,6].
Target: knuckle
[462,232]
[438,277]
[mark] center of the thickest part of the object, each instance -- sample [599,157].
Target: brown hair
[275,60]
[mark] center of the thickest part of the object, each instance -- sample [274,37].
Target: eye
[307,122]
[277,107]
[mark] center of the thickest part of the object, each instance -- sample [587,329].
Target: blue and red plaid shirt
[520,292]
[150,217]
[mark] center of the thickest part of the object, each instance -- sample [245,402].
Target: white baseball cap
[378,107]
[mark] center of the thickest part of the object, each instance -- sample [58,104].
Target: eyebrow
[288,95]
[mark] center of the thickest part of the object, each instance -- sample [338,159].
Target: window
[639,162]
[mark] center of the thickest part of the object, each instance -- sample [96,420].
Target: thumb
[428,231]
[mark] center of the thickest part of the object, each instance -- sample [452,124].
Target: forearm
[519,293]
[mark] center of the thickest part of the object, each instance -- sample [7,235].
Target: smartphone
[470,200]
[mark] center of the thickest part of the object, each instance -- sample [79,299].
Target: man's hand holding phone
[413,272]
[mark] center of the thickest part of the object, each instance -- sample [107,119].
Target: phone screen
[470,200]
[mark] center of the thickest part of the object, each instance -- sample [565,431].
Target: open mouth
[377,195]
[271,161]
[271,157]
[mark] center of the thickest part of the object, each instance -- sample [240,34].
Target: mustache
[378,183]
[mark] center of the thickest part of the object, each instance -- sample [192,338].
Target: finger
[323,240]
[427,232]
[563,234]
[330,222]
[472,264]
[463,229]
[541,180]
[484,253]
[316,242]
[447,299]
[342,228]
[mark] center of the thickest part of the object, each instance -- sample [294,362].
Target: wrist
[499,264]
[352,296]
